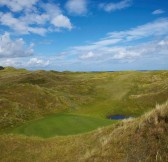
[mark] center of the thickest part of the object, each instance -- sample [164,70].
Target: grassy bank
[41,104]
[28,95]
[141,139]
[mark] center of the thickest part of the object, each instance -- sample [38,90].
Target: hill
[141,139]
[38,107]
[28,95]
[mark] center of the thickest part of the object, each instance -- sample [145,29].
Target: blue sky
[84,35]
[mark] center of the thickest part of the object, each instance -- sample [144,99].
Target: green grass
[61,124]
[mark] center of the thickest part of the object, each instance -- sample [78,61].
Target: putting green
[61,124]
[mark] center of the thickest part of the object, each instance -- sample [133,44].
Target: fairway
[62,125]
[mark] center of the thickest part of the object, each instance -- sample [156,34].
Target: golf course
[62,125]
[83,80]
[83,116]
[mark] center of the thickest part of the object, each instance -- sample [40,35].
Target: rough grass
[27,95]
[141,139]
[61,124]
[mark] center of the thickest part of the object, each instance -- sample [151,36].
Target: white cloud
[51,9]
[77,7]
[98,44]
[107,42]
[88,55]
[158,12]
[163,42]
[18,5]
[35,18]
[37,30]
[61,21]
[20,25]
[148,49]
[39,20]
[56,17]
[36,62]
[10,62]
[156,28]
[7,19]
[106,56]
[25,62]
[124,53]
[110,7]
[14,48]
[125,45]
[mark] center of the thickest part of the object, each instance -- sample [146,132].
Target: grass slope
[61,124]
[140,139]
[28,95]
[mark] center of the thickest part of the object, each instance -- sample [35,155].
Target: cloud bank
[148,40]
[25,17]
[14,48]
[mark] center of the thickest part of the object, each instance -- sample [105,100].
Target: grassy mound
[28,95]
[61,124]
[140,139]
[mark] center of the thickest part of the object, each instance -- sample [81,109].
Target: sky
[84,35]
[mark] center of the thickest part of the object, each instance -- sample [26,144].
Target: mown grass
[61,124]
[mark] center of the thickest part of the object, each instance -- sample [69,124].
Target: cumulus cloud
[61,21]
[25,62]
[18,5]
[14,48]
[158,12]
[88,55]
[38,20]
[77,7]
[10,62]
[148,49]
[122,54]
[56,17]
[20,25]
[110,7]
[36,62]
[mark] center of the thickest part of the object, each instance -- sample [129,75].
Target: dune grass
[29,95]
[142,139]
[61,124]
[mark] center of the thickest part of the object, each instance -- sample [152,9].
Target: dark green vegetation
[1,68]
[61,124]
[29,98]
